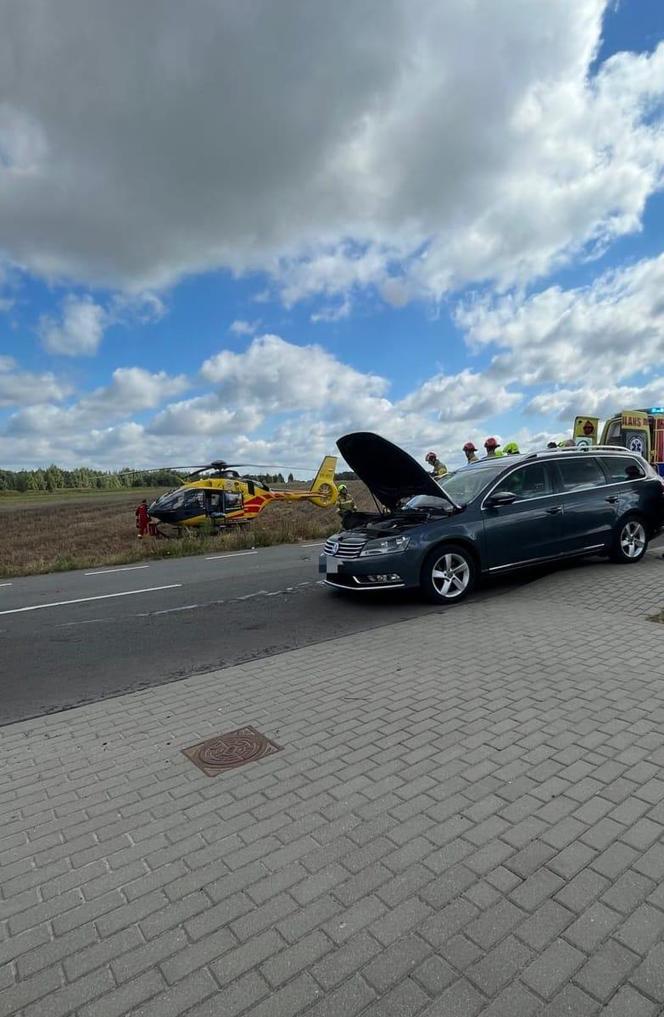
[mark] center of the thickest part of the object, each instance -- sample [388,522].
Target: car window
[529,482]
[580,473]
[622,468]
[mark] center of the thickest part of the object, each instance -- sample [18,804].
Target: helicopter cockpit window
[172,502]
[194,499]
[232,501]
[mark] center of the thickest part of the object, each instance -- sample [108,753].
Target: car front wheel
[630,542]
[448,574]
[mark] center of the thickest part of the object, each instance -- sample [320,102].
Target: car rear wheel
[630,542]
[448,574]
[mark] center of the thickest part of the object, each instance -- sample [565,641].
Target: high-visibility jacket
[345,504]
[439,469]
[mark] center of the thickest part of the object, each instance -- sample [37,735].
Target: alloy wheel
[450,575]
[633,539]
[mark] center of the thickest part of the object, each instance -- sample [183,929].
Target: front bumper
[378,572]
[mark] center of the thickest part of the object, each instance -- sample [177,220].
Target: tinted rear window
[580,473]
[622,468]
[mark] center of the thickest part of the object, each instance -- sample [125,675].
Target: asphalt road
[78,637]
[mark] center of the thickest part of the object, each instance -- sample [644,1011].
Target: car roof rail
[608,448]
[580,448]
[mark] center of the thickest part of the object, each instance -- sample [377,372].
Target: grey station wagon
[488,517]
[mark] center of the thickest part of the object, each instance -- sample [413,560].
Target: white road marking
[174,610]
[234,554]
[86,621]
[6,584]
[125,568]
[319,543]
[84,600]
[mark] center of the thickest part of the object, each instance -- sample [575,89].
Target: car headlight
[388,545]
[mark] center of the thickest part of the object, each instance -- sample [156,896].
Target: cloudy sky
[243,229]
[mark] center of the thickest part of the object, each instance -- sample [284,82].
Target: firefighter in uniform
[345,502]
[491,446]
[438,469]
[469,451]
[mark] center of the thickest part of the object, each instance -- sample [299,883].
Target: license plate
[332,565]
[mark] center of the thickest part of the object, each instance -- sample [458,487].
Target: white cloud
[602,401]
[205,415]
[274,403]
[334,145]
[80,330]
[132,390]
[240,327]
[332,312]
[282,377]
[143,307]
[611,330]
[463,396]
[24,388]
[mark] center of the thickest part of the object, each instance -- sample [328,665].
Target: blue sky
[244,232]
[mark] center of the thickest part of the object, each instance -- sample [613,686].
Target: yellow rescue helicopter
[217,495]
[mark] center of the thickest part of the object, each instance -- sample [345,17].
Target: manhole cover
[227,751]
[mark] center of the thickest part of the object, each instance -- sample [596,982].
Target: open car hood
[389,472]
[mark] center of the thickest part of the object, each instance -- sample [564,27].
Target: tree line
[54,478]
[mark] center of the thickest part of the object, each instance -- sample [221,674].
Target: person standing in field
[142,518]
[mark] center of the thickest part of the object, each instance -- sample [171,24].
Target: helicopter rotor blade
[162,469]
[218,465]
[266,466]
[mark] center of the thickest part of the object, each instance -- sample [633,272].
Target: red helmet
[491,443]
[469,447]
[431,457]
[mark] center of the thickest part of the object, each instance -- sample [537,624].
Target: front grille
[346,548]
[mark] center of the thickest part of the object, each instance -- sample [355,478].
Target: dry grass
[51,533]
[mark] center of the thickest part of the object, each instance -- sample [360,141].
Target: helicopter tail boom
[323,491]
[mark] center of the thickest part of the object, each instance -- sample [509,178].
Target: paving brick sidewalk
[467,818]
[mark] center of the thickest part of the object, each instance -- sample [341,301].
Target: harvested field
[70,530]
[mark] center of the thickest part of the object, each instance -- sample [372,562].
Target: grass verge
[56,534]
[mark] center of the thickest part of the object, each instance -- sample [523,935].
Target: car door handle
[612,499]
[554,510]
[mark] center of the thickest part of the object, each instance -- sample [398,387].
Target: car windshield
[464,485]
[426,501]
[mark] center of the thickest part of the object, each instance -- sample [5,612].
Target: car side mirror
[503,498]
